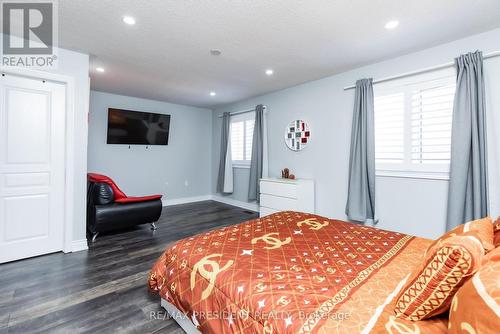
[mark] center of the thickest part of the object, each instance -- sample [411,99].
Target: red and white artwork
[297,135]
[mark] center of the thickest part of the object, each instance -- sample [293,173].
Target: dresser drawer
[278,189]
[266,211]
[277,202]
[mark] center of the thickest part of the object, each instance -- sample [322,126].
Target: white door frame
[69,159]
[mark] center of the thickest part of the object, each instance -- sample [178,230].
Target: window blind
[389,128]
[242,137]
[431,117]
[413,120]
[237,140]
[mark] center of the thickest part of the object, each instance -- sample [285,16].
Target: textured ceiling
[166,55]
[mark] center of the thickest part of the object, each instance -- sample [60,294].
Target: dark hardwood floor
[103,290]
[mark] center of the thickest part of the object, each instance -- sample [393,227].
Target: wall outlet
[186,183]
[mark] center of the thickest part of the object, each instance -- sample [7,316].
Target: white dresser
[278,194]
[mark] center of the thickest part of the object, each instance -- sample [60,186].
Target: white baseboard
[79,245]
[234,202]
[184,200]
[217,198]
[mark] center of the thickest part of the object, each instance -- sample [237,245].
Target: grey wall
[414,206]
[181,169]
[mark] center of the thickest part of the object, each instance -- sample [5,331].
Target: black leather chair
[106,212]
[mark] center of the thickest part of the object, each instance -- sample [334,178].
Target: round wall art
[297,135]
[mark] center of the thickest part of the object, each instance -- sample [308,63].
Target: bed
[290,272]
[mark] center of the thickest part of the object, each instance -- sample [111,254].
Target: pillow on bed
[445,268]
[476,305]
[483,227]
[496,228]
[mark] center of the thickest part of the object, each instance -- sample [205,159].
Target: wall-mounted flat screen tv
[137,128]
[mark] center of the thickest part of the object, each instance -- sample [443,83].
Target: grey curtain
[361,194]
[468,188]
[226,123]
[256,164]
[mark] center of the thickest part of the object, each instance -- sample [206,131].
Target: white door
[32,144]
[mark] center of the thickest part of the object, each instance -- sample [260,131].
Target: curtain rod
[242,112]
[427,69]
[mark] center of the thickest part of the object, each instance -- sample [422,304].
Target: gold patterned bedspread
[291,272]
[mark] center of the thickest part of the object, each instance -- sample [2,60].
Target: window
[241,138]
[413,119]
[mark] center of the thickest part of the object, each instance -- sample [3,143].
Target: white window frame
[243,117]
[407,85]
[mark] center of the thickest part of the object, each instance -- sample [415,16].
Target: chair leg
[154,227]
[94,236]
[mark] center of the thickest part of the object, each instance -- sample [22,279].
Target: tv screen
[139,128]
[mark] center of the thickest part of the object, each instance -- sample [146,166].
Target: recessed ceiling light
[99,69]
[213,93]
[129,20]
[269,72]
[391,24]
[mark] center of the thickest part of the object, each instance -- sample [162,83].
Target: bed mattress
[291,272]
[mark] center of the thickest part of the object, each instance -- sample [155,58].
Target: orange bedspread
[291,273]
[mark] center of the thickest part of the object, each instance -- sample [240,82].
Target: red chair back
[94,177]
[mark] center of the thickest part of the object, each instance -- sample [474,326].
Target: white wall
[76,65]
[413,206]
[158,169]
